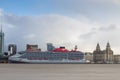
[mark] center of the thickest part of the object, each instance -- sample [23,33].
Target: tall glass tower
[50,47]
[1,42]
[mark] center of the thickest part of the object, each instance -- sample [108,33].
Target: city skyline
[61,22]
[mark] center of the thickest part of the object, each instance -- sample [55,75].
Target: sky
[62,22]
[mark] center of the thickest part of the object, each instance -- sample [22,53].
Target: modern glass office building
[1,42]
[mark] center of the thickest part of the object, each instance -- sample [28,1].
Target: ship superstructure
[58,55]
[48,57]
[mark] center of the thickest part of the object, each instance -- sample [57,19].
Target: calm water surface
[59,71]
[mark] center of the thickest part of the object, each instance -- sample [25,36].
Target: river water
[59,71]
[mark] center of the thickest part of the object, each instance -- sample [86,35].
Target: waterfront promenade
[59,71]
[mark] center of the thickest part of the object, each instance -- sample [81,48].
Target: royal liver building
[103,56]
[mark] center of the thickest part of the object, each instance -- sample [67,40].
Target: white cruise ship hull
[20,60]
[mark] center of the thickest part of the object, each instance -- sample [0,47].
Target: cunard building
[103,56]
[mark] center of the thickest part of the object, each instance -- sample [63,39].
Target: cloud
[59,30]
[97,10]
[1,12]
[29,36]
[88,35]
[116,2]
[108,28]
[55,28]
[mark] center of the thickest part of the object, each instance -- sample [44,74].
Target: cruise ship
[58,55]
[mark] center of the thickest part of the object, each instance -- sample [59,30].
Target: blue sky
[89,8]
[26,7]
[36,7]
[62,22]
